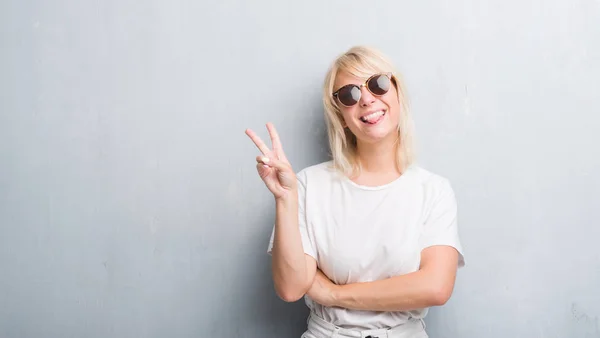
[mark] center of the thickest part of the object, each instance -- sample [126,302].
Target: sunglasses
[378,85]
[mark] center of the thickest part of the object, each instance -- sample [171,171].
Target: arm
[431,285]
[293,270]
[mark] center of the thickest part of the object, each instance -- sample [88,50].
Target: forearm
[401,293]
[291,275]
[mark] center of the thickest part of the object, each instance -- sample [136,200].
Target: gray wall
[129,201]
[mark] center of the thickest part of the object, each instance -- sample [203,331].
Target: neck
[379,158]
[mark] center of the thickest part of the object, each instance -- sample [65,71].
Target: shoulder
[432,183]
[319,172]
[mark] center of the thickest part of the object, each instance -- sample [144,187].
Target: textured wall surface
[129,201]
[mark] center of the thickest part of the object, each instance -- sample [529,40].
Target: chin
[377,137]
[377,133]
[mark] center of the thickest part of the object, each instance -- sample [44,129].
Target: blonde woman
[369,238]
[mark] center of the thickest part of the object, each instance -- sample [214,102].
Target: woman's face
[372,118]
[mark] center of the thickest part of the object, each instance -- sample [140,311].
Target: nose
[366,98]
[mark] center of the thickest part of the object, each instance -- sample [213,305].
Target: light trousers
[319,328]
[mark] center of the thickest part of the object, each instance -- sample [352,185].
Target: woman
[369,238]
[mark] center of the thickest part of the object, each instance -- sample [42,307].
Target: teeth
[372,116]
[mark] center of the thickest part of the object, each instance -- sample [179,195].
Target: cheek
[347,114]
[393,104]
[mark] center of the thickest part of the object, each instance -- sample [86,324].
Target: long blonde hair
[362,62]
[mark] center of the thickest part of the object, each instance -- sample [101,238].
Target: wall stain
[582,317]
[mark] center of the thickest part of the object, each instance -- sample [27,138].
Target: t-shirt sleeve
[307,242]
[441,226]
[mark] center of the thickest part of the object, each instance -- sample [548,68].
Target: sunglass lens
[379,84]
[349,95]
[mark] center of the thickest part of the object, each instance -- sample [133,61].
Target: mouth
[374,117]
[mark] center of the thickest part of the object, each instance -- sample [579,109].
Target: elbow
[289,296]
[290,292]
[440,295]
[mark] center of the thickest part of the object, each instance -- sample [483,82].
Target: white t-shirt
[359,233]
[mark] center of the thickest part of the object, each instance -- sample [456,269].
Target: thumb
[274,163]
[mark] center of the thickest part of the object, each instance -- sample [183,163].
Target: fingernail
[265,159]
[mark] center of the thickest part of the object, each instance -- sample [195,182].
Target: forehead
[343,78]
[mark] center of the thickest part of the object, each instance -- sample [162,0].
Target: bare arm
[293,270]
[431,285]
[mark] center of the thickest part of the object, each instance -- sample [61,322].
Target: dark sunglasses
[378,85]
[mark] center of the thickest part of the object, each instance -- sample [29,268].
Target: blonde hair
[362,62]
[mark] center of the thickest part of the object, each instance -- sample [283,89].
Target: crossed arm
[296,274]
[431,285]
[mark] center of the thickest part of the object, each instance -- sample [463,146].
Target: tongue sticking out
[372,118]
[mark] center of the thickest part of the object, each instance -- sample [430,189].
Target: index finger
[258,142]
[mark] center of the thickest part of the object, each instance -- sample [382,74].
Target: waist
[322,328]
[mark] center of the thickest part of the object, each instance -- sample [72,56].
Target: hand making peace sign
[273,167]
